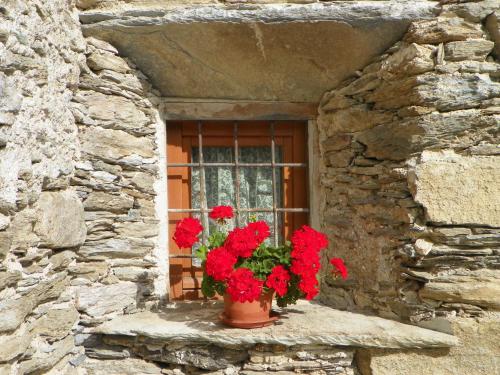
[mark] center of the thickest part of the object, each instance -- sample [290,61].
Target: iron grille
[204,210]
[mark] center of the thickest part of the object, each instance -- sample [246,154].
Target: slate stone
[298,326]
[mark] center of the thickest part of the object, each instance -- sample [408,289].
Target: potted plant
[240,266]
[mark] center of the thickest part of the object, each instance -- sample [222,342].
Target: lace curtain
[256,185]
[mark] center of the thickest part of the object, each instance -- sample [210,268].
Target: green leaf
[208,286]
[202,253]
[216,239]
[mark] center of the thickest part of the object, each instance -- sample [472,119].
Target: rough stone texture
[410,187]
[202,42]
[298,326]
[60,223]
[458,190]
[118,268]
[128,366]
[78,127]
[41,49]
[479,356]
[98,301]
[58,93]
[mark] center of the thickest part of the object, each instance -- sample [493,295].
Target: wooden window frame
[178,109]
[184,276]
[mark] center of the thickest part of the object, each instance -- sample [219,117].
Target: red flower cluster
[187,231]
[221,213]
[241,242]
[220,263]
[340,268]
[307,243]
[242,286]
[308,284]
[278,280]
[261,230]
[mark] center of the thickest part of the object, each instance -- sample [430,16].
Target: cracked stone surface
[282,50]
[302,324]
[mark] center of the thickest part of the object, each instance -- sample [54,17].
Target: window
[258,168]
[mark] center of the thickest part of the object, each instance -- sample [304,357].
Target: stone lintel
[177,109]
[355,13]
[303,324]
[271,52]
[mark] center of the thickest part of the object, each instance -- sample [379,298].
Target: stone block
[445,92]
[60,222]
[42,361]
[477,354]
[479,288]
[336,142]
[5,243]
[115,112]
[112,145]
[9,278]
[399,140]
[409,60]
[472,49]
[127,366]
[141,181]
[352,119]
[137,229]
[475,11]
[100,201]
[104,60]
[14,311]
[458,190]
[4,221]
[101,44]
[55,324]
[442,30]
[21,231]
[61,260]
[340,159]
[338,328]
[13,346]
[136,274]
[92,271]
[100,300]
[116,248]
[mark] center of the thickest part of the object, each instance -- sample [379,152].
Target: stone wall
[41,216]
[120,266]
[410,180]
[410,177]
[129,355]
[78,161]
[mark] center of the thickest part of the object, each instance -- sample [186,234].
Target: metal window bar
[236,172]
[203,199]
[277,165]
[275,188]
[203,210]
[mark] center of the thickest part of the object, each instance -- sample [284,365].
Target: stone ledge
[303,324]
[355,13]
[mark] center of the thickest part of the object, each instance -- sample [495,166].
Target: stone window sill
[303,324]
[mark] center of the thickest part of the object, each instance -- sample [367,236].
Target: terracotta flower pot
[249,314]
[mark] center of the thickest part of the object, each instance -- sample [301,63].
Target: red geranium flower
[221,213]
[241,242]
[340,268]
[220,263]
[278,280]
[187,231]
[302,267]
[242,286]
[307,240]
[308,285]
[261,230]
